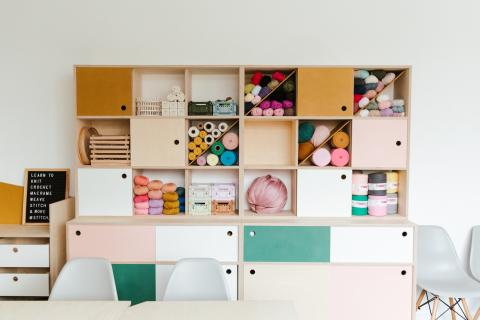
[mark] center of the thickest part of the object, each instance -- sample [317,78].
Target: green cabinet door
[135,282]
[287,244]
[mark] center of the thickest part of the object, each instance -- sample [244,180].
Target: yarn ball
[380,86]
[364,113]
[276,105]
[384,104]
[362,74]
[288,96]
[155,194]
[256,90]
[355,107]
[141,198]
[180,191]
[340,157]
[141,211]
[278,95]
[256,111]
[370,94]
[289,85]
[171,211]
[388,112]
[169,187]
[278,76]
[399,114]
[155,185]
[363,102]
[267,194]
[278,112]
[140,180]
[248,88]
[249,97]
[256,99]
[265,104]
[321,157]
[257,76]
[170,196]
[304,150]
[228,158]
[305,131]
[264,91]
[171,204]
[340,139]
[389,77]
[140,190]
[273,84]
[141,205]
[230,141]
[398,102]
[373,105]
[361,89]
[289,112]
[371,79]
[383,97]
[371,86]
[155,203]
[248,106]
[202,160]
[357,97]
[265,80]
[268,112]
[320,134]
[379,73]
[374,113]
[287,104]
[398,109]
[359,81]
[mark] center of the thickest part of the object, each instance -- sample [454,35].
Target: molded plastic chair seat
[475,253]
[85,279]
[452,287]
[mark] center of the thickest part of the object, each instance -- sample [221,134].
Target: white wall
[41,40]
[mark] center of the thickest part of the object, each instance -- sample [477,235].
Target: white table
[62,310]
[212,310]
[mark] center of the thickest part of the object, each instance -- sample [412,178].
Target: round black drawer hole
[404,233]
[124,175]
[403,272]
[15,278]
[78,232]
[123,108]
[229,271]
[229,233]
[343,177]
[398,143]
[176,142]
[252,271]
[344,108]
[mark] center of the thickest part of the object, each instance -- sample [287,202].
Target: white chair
[197,279]
[440,274]
[475,253]
[85,279]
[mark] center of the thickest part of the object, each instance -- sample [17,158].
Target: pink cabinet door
[380,143]
[370,292]
[119,244]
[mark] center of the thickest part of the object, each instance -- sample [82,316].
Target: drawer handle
[78,232]
[343,176]
[404,233]
[176,141]
[252,233]
[124,175]
[344,108]
[398,143]
[15,249]
[229,233]
[252,271]
[229,271]
[123,108]
[15,279]
[404,272]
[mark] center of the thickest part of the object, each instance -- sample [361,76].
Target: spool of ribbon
[377,205]
[321,157]
[359,205]
[193,132]
[340,157]
[212,159]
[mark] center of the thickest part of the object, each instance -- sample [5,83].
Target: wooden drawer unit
[24,255]
[116,243]
[104,192]
[104,91]
[24,284]
[372,245]
[157,142]
[165,270]
[178,242]
[325,92]
[287,243]
[324,193]
[135,282]
[379,143]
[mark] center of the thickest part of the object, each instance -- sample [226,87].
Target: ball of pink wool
[388,112]
[384,104]
[256,99]
[268,112]
[380,86]
[267,194]
[276,105]
[278,112]
[287,104]
[256,111]
[265,104]
[370,94]
[363,102]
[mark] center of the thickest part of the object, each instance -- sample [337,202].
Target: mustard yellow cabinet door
[104,91]
[325,92]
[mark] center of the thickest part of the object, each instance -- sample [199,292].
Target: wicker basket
[149,107]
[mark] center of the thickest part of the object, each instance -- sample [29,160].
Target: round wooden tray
[83,143]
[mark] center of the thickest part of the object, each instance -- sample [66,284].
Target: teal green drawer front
[287,244]
[135,282]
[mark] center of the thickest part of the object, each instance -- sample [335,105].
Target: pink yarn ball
[380,86]
[276,105]
[278,112]
[256,99]
[268,112]
[287,104]
[370,94]
[267,194]
[265,104]
[256,111]
[384,104]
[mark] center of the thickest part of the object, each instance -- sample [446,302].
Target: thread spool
[377,205]
[230,141]
[200,126]
[217,148]
[304,150]
[321,157]
[228,158]
[392,203]
[340,157]
[222,126]
[340,140]
[209,139]
[197,141]
[203,146]
[193,132]
[202,134]
[212,159]
[191,146]
[377,184]
[191,156]
[392,182]
[216,133]
[202,160]
[208,126]
[359,184]
[359,205]
[197,151]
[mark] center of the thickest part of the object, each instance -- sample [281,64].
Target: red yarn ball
[279,76]
[357,97]
[257,76]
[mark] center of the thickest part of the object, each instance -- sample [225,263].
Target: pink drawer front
[115,243]
[380,143]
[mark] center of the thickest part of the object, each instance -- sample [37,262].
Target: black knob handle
[123,108]
[398,143]
[404,272]
[229,271]
[252,271]
[15,279]
[229,233]
[176,142]
[78,232]
[343,177]
[124,175]
[15,249]
[344,108]
[404,233]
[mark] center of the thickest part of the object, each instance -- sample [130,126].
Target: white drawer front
[163,273]
[24,285]
[371,244]
[24,255]
[178,242]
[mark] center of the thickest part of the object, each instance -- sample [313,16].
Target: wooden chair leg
[477,314]
[434,308]
[466,309]
[420,298]
[452,306]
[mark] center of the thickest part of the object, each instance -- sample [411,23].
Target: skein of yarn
[321,157]
[305,131]
[320,134]
[304,150]
[267,194]
[377,184]
[340,140]
[223,126]
[340,157]
[230,141]
[216,133]
[212,159]
[228,158]
[256,111]
[267,112]
[359,184]
[209,126]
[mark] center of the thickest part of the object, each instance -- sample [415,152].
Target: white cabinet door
[177,242]
[104,192]
[24,255]
[371,244]
[324,193]
[163,273]
[24,284]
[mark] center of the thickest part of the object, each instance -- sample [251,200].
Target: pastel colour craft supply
[362,74]
[371,79]
[209,139]
[217,148]
[377,184]
[340,157]
[359,205]
[359,184]
[321,157]
[155,210]
[171,204]
[386,112]
[267,194]
[155,203]
[256,111]
[155,185]
[155,194]
[267,112]
[140,180]
[202,160]
[392,203]
[398,102]
[320,134]
[228,158]
[193,132]
[209,126]
[380,86]
[389,77]
[384,104]
[230,141]
[142,205]
[223,126]
[212,159]
[256,90]
[141,211]
[304,150]
[340,139]
[377,205]
[141,198]
[168,188]
[216,133]
[140,190]
[392,182]
[278,112]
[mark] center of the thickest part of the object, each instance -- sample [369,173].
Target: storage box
[223,207]
[200,108]
[223,191]
[224,108]
[200,192]
[199,207]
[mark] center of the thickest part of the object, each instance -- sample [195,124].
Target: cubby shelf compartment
[213,83]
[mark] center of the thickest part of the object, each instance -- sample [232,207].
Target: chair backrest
[197,279]
[85,279]
[436,256]
[475,253]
